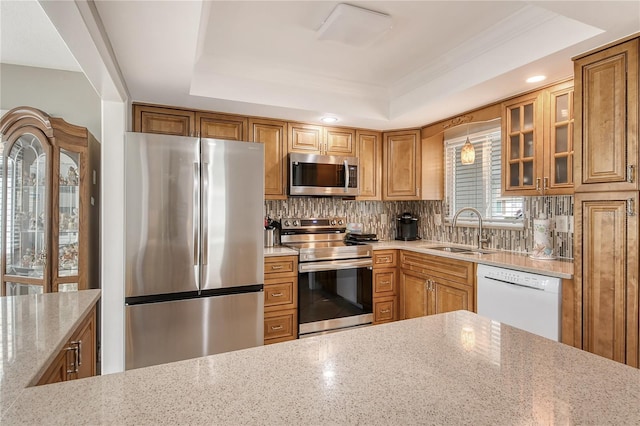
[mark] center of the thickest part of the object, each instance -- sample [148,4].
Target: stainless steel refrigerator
[193,247]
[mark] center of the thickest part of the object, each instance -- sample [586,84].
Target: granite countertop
[505,259]
[33,330]
[279,251]
[520,261]
[454,368]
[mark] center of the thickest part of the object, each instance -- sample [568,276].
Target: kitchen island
[454,368]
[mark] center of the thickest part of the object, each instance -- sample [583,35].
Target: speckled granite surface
[456,368]
[279,251]
[505,259]
[33,330]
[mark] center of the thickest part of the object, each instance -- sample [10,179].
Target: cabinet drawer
[385,309]
[384,281]
[280,294]
[280,266]
[385,258]
[280,326]
[438,267]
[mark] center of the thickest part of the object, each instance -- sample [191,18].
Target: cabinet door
[606,269]
[57,371]
[558,164]
[222,126]
[369,151]
[339,141]
[522,145]
[450,297]
[85,342]
[273,134]
[305,138]
[606,108]
[402,165]
[413,295]
[166,121]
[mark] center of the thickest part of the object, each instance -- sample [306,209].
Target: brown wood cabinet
[385,286]
[606,265]
[434,285]
[402,165]
[606,202]
[280,299]
[606,104]
[221,126]
[273,134]
[537,143]
[311,139]
[163,120]
[369,152]
[51,204]
[78,358]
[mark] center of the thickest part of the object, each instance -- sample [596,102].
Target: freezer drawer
[162,332]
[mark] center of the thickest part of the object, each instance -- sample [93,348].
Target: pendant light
[468,152]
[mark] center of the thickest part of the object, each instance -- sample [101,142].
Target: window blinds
[478,185]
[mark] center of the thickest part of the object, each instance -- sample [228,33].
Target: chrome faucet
[472,210]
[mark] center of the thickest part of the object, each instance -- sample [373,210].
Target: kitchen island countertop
[453,368]
[33,330]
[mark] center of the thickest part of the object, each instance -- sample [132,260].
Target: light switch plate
[437,219]
[384,218]
[571,224]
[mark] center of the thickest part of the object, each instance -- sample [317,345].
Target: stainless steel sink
[460,250]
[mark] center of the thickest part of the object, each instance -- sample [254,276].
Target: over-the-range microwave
[323,175]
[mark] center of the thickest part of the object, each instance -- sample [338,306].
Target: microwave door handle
[346,176]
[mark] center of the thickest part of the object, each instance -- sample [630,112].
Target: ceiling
[265,58]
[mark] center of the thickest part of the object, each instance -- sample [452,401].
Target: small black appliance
[407,227]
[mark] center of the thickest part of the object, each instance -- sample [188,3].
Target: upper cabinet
[606,104]
[311,139]
[402,165]
[50,214]
[273,134]
[369,148]
[166,121]
[221,126]
[537,131]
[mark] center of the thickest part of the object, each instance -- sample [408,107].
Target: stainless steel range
[334,276]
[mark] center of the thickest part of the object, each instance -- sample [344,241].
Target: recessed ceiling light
[536,78]
[329,119]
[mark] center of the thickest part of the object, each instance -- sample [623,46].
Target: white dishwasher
[524,300]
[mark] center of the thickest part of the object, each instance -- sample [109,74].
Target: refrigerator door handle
[196,219]
[205,213]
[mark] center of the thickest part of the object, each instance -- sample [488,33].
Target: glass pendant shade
[468,153]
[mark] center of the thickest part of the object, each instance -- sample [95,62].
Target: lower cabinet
[280,299]
[434,285]
[385,286]
[77,359]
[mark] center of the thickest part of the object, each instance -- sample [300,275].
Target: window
[478,185]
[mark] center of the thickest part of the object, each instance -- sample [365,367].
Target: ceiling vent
[354,25]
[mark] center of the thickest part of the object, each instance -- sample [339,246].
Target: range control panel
[313,223]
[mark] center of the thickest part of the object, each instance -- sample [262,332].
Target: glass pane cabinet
[50,204]
[538,142]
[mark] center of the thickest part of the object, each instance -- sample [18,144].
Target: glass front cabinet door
[49,204]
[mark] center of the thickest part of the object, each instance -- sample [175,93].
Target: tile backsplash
[379,217]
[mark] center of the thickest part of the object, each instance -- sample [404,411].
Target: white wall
[64,94]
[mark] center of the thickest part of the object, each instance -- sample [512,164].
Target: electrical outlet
[437,219]
[562,224]
[384,218]
[571,224]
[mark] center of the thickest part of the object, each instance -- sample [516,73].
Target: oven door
[334,295]
[311,174]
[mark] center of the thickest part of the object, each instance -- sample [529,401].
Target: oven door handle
[333,265]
